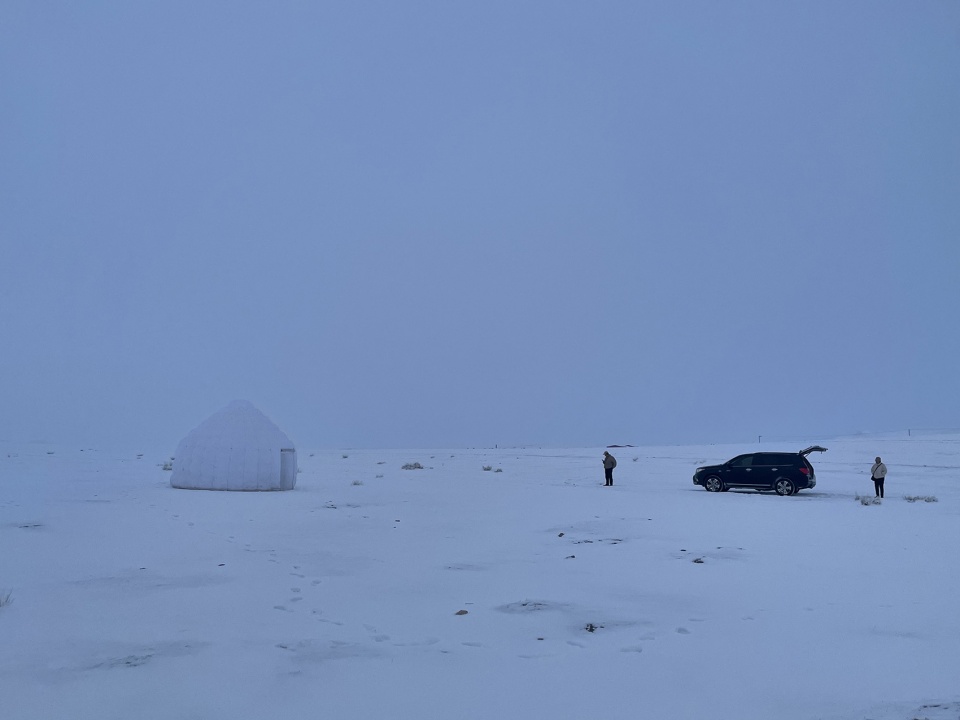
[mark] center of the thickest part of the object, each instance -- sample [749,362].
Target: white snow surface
[236,448]
[121,597]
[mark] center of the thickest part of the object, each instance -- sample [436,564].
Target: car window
[742,461]
[775,459]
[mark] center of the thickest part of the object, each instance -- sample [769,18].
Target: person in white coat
[877,473]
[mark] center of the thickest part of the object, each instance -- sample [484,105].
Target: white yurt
[237,448]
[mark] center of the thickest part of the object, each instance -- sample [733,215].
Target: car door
[767,467]
[738,471]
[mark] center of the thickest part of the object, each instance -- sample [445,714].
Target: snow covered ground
[457,592]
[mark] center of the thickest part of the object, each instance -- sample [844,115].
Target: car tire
[713,484]
[784,486]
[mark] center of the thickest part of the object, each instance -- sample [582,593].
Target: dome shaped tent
[237,448]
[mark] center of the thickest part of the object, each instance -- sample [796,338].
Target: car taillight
[805,471]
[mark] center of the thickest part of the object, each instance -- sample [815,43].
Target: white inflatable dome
[237,448]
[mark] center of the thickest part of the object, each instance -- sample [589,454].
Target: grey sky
[460,224]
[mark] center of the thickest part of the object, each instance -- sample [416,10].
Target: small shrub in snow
[920,498]
[344,456]
[412,466]
[487,468]
[499,470]
[357,482]
[6,598]
[867,500]
[168,465]
[379,476]
[635,459]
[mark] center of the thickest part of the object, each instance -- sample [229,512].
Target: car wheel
[713,484]
[783,486]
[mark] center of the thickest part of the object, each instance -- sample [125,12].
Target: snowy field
[453,592]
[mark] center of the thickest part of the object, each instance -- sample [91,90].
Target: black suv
[785,473]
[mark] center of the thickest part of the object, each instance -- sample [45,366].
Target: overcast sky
[439,224]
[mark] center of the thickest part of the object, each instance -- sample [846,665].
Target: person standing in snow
[609,463]
[877,473]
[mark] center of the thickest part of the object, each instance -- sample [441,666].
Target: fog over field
[434,224]
[518,234]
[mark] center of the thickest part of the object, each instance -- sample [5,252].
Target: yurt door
[288,468]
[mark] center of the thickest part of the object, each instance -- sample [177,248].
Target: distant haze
[448,224]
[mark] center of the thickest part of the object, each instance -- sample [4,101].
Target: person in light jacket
[609,463]
[877,473]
